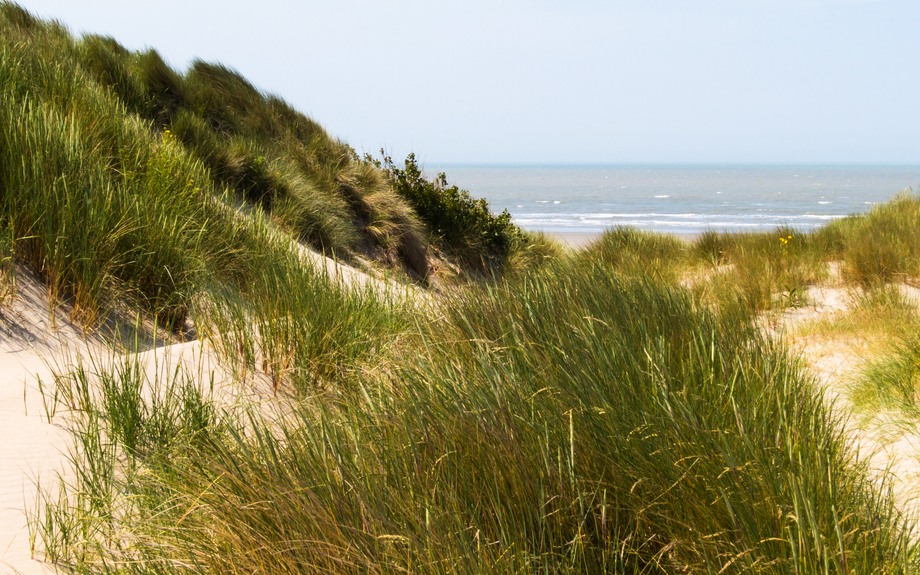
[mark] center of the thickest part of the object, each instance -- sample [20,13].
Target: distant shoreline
[581,240]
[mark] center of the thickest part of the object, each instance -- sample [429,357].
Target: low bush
[463,226]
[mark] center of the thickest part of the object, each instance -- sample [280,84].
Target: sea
[680,199]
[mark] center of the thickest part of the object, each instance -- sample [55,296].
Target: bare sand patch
[891,444]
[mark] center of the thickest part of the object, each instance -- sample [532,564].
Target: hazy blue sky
[562,81]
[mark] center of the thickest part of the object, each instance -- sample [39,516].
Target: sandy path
[891,446]
[29,449]
[29,446]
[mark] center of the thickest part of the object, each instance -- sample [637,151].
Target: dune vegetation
[495,403]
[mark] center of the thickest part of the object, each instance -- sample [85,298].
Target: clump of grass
[20,17]
[306,334]
[763,270]
[222,97]
[163,86]
[639,253]
[711,247]
[109,64]
[311,215]
[886,321]
[881,246]
[891,382]
[532,251]
[122,412]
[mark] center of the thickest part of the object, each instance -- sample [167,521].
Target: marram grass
[572,421]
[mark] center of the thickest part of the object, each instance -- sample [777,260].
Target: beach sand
[581,240]
[575,240]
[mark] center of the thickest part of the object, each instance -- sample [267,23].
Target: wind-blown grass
[636,253]
[106,105]
[302,331]
[563,423]
[880,246]
[891,382]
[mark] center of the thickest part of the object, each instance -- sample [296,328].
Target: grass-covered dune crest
[95,119]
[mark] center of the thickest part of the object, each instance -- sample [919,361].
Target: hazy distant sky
[562,81]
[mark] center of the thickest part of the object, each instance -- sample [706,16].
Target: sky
[553,81]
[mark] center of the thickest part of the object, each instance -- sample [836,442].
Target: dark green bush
[463,225]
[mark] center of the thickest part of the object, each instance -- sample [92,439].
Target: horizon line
[550,164]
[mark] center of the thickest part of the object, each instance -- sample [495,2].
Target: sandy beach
[581,240]
[575,240]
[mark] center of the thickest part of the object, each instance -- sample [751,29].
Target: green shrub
[463,226]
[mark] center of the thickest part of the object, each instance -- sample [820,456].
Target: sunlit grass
[568,421]
[877,318]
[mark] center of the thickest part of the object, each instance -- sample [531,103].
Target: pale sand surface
[34,345]
[30,447]
[581,240]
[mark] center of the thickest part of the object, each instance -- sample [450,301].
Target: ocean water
[680,199]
